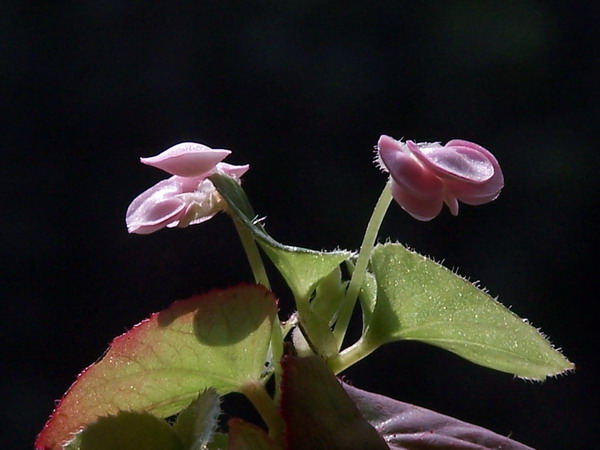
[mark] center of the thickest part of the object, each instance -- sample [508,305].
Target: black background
[301,90]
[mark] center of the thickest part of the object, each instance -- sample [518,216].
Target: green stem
[260,276]
[351,355]
[277,351]
[364,256]
[287,326]
[253,255]
[267,409]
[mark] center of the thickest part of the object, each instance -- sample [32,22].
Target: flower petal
[488,191]
[426,175]
[155,208]
[407,171]
[419,208]
[187,159]
[452,202]
[201,205]
[461,162]
[232,170]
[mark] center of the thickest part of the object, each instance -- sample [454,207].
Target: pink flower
[426,175]
[186,198]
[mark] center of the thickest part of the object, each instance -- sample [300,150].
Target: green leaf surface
[329,294]
[421,300]
[197,423]
[127,431]
[220,442]
[302,268]
[368,298]
[367,295]
[316,320]
[219,340]
[317,411]
[318,332]
[246,436]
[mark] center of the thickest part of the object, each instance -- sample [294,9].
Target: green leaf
[246,436]
[219,442]
[368,298]
[328,296]
[421,300]
[367,295]
[196,424]
[219,340]
[317,320]
[127,431]
[302,268]
[318,332]
[317,411]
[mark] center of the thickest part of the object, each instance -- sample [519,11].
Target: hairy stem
[358,275]
[253,255]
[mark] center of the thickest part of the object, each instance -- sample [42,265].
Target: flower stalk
[358,275]
[267,409]
[252,253]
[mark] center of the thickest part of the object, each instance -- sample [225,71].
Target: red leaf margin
[58,430]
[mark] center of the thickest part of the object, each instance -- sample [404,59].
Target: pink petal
[424,176]
[452,202]
[187,159]
[407,171]
[155,208]
[488,191]
[388,145]
[189,184]
[459,162]
[419,208]
[469,172]
[475,194]
[232,170]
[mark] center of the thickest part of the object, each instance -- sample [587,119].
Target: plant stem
[364,256]
[267,409]
[260,276]
[287,326]
[277,351]
[253,255]
[351,355]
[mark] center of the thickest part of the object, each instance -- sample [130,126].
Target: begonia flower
[186,198]
[427,175]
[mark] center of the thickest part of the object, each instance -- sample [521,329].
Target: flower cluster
[188,196]
[427,175]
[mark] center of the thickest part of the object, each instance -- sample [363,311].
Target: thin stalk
[267,409]
[350,356]
[287,326]
[277,350]
[260,276]
[253,255]
[360,269]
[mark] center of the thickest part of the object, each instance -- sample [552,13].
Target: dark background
[301,90]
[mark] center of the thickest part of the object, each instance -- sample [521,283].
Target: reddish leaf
[219,340]
[318,412]
[246,436]
[406,426]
